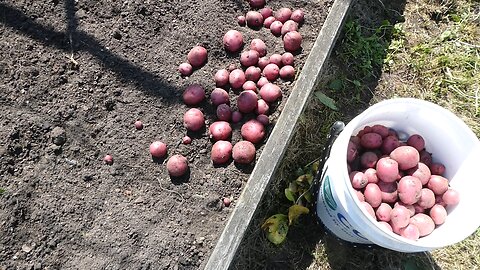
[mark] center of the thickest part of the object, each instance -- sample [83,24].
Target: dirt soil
[74,77]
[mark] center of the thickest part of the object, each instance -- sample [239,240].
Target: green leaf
[304,180]
[295,211]
[276,228]
[289,194]
[336,85]
[325,100]
[308,196]
[2,191]
[357,83]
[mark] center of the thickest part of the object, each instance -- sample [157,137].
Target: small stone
[138,200]
[58,136]
[117,35]
[37,266]
[26,248]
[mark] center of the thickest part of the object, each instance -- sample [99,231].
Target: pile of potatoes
[253,84]
[397,182]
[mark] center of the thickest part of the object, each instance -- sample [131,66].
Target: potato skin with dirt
[371,140]
[177,165]
[406,156]
[243,152]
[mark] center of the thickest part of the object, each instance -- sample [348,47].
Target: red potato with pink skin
[352,151]
[385,225]
[221,77]
[186,140]
[380,130]
[220,131]
[451,197]
[262,118]
[427,198]
[197,56]
[193,94]
[276,59]
[410,232]
[416,141]
[259,46]
[437,168]
[253,74]
[263,62]
[193,119]
[388,144]
[254,19]
[224,112]
[288,59]
[298,16]
[371,175]
[373,195]
[267,23]
[368,159]
[406,156]
[266,12]
[243,152]
[177,166]
[387,169]
[270,92]
[287,73]
[237,78]
[421,171]
[383,212]
[410,207]
[249,85]
[221,152]
[409,189]
[242,21]
[276,28]
[233,41]
[257,3]
[219,96]
[438,184]
[253,131]
[426,158]
[438,213]
[399,217]
[283,14]
[236,116]
[289,26]
[262,107]
[247,101]
[360,195]
[371,140]
[249,58]
[185,69]
[369,209]
[424,223]
[271,72]
[158,149]
[358,179]
[292,41]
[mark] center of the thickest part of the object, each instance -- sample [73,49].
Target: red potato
[380,130]
[360,195]
[288,59]
[426,158]
[224,112]
[237,78]
[262,118]
[249,85]
[439,200]
[276,28]
[257,3]
[438,214]
[221,77]
[233,41]
[383,212]
[271,72]
[241,20]
[263,62]
[438,184]
[368,208]
[267,23]
[424,223]
[193,94]
[298,16]
[266,12]
[276,59]
[185,69]
[254,19]
[259,46]
[287,73]
[197,56]
[437,168]
[220,131]
[373,195]
[385,225]
[371,140]
[108,159]
[410,232]
[236,116]
[399,216]
[411,208]
[388,191]
[289,26]
[261,82]
[388,144]
[352,151]
[416,141]
[409,189]
[193,119]
[270,92]
[283,14]
[427,198]
[355,140]
[292,41]
[138,125]
[368,159]
[371,175]
[262,107]
[221,152]
[451,197]
[186,140]
[177,165]
[253,74]
[249,58]
[219,96]
[358,179]
[406,156]
[418,209]
[247,101]
[253,131]
[243,152]
[227,202]
[421,171]
[158,149]
[387,169]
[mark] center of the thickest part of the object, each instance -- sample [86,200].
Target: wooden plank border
[279,139]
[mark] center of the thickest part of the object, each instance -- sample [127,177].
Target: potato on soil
[253,131]
[247,101]
[262,118]
[266,12]
[298,16]
[371,140]
[158,149]
[271,72]
[287,73]
[108,159]
[292,41]
[221,77]
[276,28]
[276,59]
[262,107]
[243,152]
[424,223]
[257,3]
[270,92]
[237,78]
[185,69]
[253,74]
[197,56]
[406,156]
[283,14]
[241,20]
[373,195]
[233,41]
[267,23]
[177,165]
[254,19]
[193,94]
[221,152]
[219,96]
[224,112]
[289,26]
[193,119]
[220,131]
[263,62]
[236,116]
[259,46]
[288,59]
[249,58]
[249,85]
[261,82]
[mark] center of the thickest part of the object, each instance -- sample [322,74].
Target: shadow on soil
[67,41]
[308,243]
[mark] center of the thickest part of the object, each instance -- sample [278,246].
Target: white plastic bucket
[448,139]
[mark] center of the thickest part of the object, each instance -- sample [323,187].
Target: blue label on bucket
[327,190]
